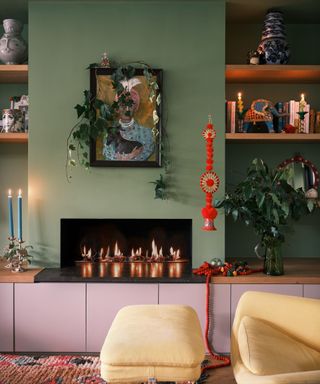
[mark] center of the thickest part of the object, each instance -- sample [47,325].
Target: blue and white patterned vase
[273,43]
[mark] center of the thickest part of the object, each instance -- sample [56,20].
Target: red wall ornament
[209,180]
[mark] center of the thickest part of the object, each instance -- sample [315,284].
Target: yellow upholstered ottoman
[153,343]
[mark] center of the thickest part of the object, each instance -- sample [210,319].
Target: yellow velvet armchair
[276,340]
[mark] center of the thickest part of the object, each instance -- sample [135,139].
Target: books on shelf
[231,116]
[290,116]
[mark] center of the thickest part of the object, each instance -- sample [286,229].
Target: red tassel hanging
[209,180]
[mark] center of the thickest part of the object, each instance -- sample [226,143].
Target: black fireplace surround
[118,248]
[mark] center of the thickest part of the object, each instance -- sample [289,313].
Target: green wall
[187,40]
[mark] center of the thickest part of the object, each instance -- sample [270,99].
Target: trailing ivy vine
[97,118]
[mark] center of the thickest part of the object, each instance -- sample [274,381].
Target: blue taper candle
[20,215]
[11,229]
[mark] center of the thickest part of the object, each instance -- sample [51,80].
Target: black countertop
[114,275]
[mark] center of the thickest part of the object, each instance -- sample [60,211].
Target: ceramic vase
[13,48]
[273,43]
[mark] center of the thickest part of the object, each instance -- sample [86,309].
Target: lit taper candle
[302,103]
[20,215]
[240,102]
[11,228]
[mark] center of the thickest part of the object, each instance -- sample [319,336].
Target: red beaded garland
[209,180]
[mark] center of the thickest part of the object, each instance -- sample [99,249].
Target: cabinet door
[105,300]
[193,295]
[312,291]
[220,317]
[50,317]
[284,289]
[6,317]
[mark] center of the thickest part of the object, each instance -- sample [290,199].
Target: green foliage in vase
[266,201]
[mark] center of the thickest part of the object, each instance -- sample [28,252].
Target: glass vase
[272,259]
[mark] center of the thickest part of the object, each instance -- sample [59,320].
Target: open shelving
[14,137]
[14,74]
[273,137]
[238,73]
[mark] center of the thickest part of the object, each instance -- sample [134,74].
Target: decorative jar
[13,48]
[273,41]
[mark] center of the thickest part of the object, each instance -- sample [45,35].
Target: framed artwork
[135,138]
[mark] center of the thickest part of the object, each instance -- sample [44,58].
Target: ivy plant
[97,118]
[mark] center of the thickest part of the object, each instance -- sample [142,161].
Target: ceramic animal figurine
[261,113]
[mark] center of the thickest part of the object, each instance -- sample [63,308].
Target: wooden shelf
[296,271]
[13,137]
[273,137]
[272,73]
[14,73]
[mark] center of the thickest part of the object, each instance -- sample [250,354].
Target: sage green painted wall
[187,40]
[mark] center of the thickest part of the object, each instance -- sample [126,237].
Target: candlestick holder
[301,126]
[240,120]
[16,254]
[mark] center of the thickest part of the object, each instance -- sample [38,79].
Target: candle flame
[239,95]
[20,192]
[9,193]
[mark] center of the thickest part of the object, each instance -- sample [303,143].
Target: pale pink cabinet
[105,300]
[50,317]
[220,317]
[6,317]
[186,294]
[312,291]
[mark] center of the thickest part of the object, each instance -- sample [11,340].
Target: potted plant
[266,201]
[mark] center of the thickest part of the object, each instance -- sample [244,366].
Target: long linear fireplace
[127,247]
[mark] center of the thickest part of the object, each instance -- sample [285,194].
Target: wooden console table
[297,271]
[6,276]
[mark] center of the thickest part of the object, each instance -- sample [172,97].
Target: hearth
[127,247]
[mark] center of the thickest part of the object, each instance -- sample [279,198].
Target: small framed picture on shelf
[133,137]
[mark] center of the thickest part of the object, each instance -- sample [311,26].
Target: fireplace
[127,247]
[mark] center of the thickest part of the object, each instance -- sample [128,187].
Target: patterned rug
[18,369]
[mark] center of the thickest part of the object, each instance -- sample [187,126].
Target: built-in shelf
[273,137]
[13,137]
[272,73]
[14,73]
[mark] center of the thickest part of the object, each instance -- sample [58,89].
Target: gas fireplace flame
[136,255]
[86,254]
[117,251]
[117,254]
[156,256]
[174,255]
[105,255]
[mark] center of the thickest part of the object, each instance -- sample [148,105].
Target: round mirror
[303,174]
